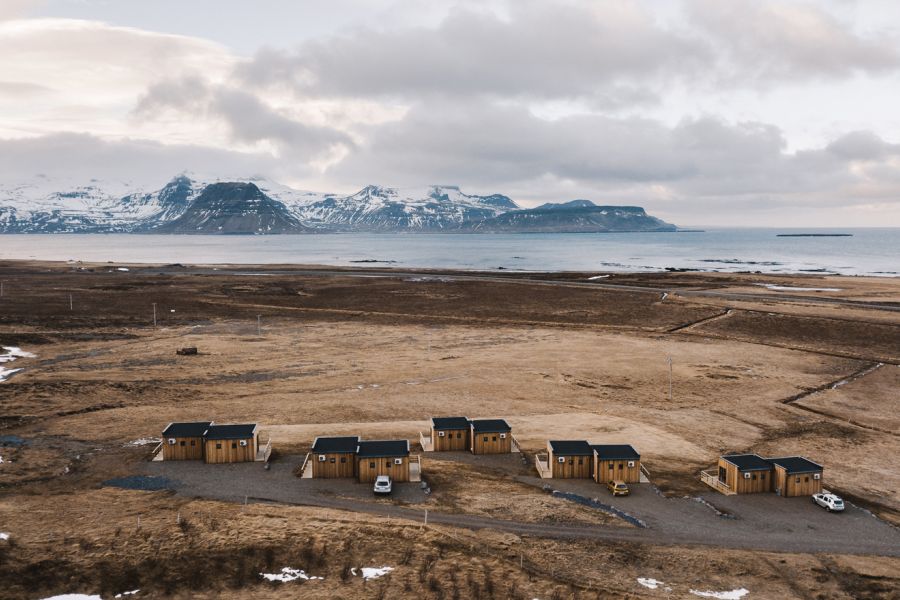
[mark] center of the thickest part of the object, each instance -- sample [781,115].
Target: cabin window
[193,442]
[798,480]
[372,465]
[621,466]
[343,459]
[459,436]
[218,445]
[233,445]
[182,442]
[332,461]
[806,478]
[611,466]
[762,476]
[485,438]
[570,461]
[494,438]
[387,464]
[580,461]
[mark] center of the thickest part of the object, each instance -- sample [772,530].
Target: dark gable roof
[490,426]
[796,464]
[571,448]
[616,452]
[383,448]
[346,444]
[748,462]
[450,422]
[194,429]
[230,432]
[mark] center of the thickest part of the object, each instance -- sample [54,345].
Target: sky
[705,112]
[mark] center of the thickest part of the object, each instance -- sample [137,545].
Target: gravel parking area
[235,482]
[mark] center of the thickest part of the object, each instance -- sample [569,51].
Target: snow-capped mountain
[377,208]
[255,205]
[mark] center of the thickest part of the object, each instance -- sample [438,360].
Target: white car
[829,502]
[382,484]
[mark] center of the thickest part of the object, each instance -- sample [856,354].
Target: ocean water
[867,252]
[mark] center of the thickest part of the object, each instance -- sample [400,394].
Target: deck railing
[263,454]
[515,444]
[426,442]
[542,464]
[711,478]
[157,453]
[415,467]
[304,465]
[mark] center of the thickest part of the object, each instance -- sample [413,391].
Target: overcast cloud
[704,111]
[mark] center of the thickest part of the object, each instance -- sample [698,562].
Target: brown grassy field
[340,354]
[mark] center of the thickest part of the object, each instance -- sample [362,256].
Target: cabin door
[722,474]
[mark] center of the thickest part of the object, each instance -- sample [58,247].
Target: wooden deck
[415,467]
[263,454]
[711,478]
[426,442]
[542,464]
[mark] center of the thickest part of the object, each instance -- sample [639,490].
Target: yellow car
[618,488]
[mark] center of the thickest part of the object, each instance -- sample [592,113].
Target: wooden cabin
[382,457]
[746,473]
[184,441]
[334,457]
[796,476]
[490,436]
[450,433]
[616,462]
[231,443]
[570,459]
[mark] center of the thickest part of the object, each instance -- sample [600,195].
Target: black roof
[796,464]
[230,432]
[194,429]
[616,452]
[571,447]
[450,422]
[336,444]
[490,425]
[380,448]
[748,462]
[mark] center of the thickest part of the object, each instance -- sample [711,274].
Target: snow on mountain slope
[376,208]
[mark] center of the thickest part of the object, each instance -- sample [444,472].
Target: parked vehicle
[618,488]
[829,502]
[383,484]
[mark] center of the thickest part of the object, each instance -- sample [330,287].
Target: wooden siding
[452,440]
[570,467]
[369,468]
[335,465]
[493,444]
[759,481]
[185,448]
[230,451]
[803,484]
[620,471]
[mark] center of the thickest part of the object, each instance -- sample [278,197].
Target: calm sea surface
[867,252]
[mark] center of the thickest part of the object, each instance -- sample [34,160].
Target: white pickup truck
[829,502]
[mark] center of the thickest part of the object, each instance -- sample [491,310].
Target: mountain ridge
[190,205]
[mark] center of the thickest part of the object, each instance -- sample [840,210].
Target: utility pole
[669,360]
[154,315]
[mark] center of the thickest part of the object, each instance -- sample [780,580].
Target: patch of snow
[730,595]
[74,597]
[4,536]
[597,277]
[143,442]
[123,269]
[1,460]
[649,582]
[288,574]
[14,352]
[131,593]
[374,572]
[787,288]
[6,373]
